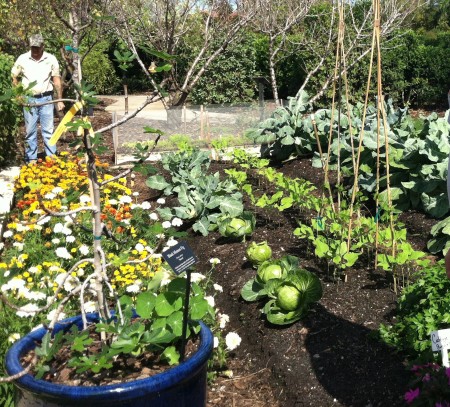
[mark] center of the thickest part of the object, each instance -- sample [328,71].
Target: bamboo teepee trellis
[341,79]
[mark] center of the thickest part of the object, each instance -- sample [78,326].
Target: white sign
[440,342]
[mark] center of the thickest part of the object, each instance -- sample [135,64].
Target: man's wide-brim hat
[36,40]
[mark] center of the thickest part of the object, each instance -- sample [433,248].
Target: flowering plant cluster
[48,267]
[430,387]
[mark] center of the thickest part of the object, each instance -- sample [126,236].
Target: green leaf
[171,355]
[198,307]
[252,290]
[157,182]
[145,303]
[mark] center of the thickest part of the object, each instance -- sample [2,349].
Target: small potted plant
[130,310]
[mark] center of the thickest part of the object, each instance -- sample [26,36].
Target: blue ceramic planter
[181,386]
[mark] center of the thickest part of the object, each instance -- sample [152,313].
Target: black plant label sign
[179,257]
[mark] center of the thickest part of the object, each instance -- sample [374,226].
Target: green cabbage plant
[288,289]
[258,252]
[237,227]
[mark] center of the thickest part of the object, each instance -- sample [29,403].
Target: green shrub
[423,307]
[10,114]
[98,69]
[230,78]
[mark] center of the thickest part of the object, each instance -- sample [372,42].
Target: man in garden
[41,70]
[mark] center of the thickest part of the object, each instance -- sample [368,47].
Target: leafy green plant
[288,289]
[258,253]
[203,198]
[9,113]
[237,227]
[423,307]
[286,133]
[440,240]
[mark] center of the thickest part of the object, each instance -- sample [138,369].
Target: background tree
[162,25]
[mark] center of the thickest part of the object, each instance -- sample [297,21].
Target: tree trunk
[273,77]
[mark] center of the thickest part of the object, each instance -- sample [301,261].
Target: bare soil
[332,356]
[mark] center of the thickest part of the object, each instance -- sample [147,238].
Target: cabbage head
[258,252]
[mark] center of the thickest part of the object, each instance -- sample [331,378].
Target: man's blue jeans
[43,115]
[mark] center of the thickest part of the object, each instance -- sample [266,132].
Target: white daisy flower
[223,320]
[22,228]
[161,201]
[52,313]
[139,247]
[154,216]
[171,242]
[113,202]
[63,253]
[43,221]
[133,288]
[84,250]
[28,310]
[58,228]
[57,190]
[7,234]
[210,300]
[49,195]
[177,222]
[18,245]
[218,287]
[125,199]
[166,224]
[84,199]
[196,277]
[146,205]
[216,342]
[70,239]
[214,261]
[90,306]
[232,340]
[66,231]
[56,241]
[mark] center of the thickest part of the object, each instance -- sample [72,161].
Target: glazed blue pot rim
[158,383]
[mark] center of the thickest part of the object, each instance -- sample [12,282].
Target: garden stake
[185,314]
[361,137]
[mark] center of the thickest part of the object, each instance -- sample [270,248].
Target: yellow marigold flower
[26,274]
[29,279]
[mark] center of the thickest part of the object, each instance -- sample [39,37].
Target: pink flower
[411,395]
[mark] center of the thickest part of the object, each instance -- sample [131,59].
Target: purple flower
[411,395]
[426,377]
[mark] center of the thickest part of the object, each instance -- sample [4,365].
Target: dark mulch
[330,358]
